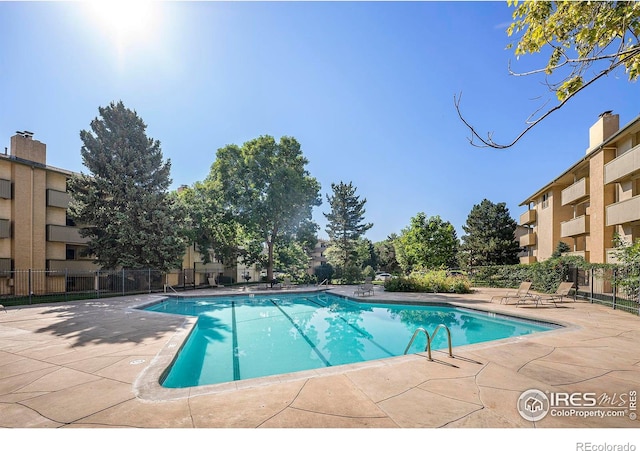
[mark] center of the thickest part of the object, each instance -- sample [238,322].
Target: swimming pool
[243,337]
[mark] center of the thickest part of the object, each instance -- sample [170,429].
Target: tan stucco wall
[28,211]
[601,236]
[5,210]
[547,226]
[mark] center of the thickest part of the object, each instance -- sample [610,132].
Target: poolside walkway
[96,364]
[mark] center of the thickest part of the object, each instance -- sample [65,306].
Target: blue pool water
[242,337]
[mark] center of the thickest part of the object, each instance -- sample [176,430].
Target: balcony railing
[71,265]
[625,165]
[623,212]
[576,226]
[527,259]
[575,192]
[612,256]
[5,228]
[65,234]
[528,240]
[528,217]
[583,254]
[57,198]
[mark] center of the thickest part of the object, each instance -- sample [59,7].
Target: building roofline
[590,154]
[37,165]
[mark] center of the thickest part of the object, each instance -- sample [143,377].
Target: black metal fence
[36,286]
[30,286]
[614,287]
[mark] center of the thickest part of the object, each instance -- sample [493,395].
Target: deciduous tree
[584,42]
[264,185]
[386,254]
[427,243]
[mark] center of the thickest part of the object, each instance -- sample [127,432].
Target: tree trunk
[270,260]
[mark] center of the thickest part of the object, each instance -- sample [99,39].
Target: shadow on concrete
[106,321]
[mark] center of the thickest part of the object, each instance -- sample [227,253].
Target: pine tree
[490,236]
[345,222]
[123,205]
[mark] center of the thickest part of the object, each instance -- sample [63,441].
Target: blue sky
[367,89]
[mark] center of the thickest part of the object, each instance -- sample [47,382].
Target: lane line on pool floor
[307,339]
[234,334]
[365,335]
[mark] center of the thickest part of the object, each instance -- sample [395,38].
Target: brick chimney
[604,128]
[23,146]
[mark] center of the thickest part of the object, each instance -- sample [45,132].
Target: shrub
[437,281]
[368,271]
[544,276]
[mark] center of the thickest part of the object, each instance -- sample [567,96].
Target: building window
[545,200]
[71,253]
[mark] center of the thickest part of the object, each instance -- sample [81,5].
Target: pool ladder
[430,339]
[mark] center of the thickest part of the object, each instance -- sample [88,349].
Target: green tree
[130,218]
[386,254]
[628,256]
[490,236]
[212,228]
[428,243]
[583,41]
[561,248]
[264,185]
[345,224]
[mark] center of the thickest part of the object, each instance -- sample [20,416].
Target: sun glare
[126,22]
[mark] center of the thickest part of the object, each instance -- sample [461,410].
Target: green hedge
[438,281]
[544,276]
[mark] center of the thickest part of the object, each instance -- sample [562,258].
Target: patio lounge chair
[561,292]
[522,293]
[287,283]
[364,289]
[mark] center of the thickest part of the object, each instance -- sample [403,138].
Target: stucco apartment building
[591,201]
[37,234]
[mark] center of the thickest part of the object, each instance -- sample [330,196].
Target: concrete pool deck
[96,364]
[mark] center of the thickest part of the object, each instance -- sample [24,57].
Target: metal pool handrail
[430,339]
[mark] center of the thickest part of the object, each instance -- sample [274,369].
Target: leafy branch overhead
[585,41]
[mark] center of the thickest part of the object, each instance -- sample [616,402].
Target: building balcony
[528,240]
[71,265]
[612,256]
[583,254]
[65,234]
[575,226]
[527,259]
[58,199]
[528,217]
[5,266]
[576,192]
[624,212]
[624,166]
[5,228]
[5,189]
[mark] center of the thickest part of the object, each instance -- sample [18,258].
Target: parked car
[383,276]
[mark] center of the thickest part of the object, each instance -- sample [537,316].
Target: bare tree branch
[489,142]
